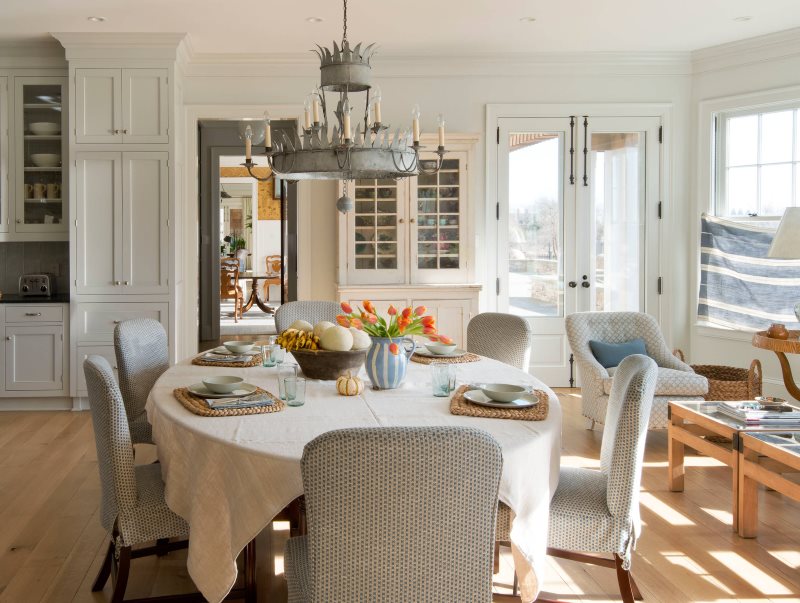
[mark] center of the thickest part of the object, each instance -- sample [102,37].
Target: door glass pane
[438,211]
[618,194]
[375,221]
[41,114]
[535,260]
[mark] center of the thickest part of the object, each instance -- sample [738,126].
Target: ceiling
[415,27]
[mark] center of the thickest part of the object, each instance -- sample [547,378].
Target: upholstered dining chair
[310,311]
[273,273]
[597,511]
[676,379]
[503,337]
[229,287]
[142,357]
[397,514]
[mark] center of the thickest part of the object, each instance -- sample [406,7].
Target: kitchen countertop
[16,298]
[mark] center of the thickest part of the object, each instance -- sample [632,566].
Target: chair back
[142,357]
[273,265]
[112,439]
[504,337]
[229,277]
[310,311]
[625,433]
[401,514]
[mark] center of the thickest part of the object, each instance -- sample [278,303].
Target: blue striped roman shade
[740,287]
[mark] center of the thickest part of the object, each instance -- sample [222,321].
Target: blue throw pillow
[611,354]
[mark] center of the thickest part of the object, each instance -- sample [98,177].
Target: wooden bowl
[328,365]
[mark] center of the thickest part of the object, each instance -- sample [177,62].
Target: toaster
[40,285]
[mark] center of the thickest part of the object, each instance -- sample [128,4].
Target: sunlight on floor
[724,517]
[790,558]
[663,510]
[754,575]
[694,568]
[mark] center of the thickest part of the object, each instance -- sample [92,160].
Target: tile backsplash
[17,259]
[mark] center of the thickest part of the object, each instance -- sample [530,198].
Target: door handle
[572,284]
[585,282]
[33,313]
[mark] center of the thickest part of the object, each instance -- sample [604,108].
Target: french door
[578,224]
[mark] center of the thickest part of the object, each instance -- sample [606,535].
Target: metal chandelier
[321,151]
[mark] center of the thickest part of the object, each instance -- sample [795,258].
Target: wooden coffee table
[765,457]
[699,426]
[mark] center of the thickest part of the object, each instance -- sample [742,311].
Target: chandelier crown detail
[344,69]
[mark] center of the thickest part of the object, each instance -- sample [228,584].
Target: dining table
[254,278]
[229,476]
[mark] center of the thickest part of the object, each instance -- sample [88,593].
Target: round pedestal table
[229,476]
[781,347]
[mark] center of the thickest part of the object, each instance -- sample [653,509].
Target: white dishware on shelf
[46,159]
[45,128]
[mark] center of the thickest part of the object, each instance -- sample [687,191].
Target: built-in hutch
[410,241]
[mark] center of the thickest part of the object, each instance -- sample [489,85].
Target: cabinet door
[41,152]
[144,223]
[377,232]
[145,96]
[452,317]
[84,351]
[98,114]
[35,358]
[4,158]
[438,223]
[98,232]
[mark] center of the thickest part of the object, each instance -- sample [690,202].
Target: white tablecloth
[229,476]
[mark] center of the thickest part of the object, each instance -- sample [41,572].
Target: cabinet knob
[127,282]
[33,313]
[19,220]
[400,220]
[116,322]
[125,131]
[117,283]
[8,338]
[412,220]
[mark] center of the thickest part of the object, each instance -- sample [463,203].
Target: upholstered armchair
[676,380]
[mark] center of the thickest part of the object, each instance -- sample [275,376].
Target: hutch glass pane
[375,224]
[438,218]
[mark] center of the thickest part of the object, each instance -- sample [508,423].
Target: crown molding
[109,45]
[45,53]
[769,47]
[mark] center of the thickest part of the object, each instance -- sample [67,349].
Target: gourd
[337,339]
[347,385]
[301,325]
[361,341]
[322,326]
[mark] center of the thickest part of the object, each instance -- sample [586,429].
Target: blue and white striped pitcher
[387,370]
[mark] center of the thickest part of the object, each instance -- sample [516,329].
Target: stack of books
[772,415]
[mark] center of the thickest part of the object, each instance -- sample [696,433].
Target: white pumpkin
[302,325]
[337,339]
[322,326]
[347,385]
[361,341]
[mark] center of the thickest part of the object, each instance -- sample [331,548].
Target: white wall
[759,65]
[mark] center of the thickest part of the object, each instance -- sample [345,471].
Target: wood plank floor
[51,542]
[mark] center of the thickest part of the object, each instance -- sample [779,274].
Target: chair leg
[122,573]
[250,572]
[624,579]
[160,543]
[105,570]
[496,569]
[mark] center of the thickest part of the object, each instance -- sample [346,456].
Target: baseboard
[17,404]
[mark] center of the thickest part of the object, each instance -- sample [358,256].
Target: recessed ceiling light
[96,19]
[742,19]
[528,19]
[314,19]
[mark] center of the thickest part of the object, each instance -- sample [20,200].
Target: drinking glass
[277,353]
[287,371]
[266,356]
[295,388]
[443,378]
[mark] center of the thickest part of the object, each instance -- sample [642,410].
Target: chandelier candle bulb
[248,143]
[346,120]
[377,104]
[267,132]
[441,131]
[415,123]
[315,108]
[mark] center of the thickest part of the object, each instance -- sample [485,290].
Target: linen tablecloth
[229,476]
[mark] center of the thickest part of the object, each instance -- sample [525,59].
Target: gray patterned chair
[310,311]
[676,379]
[397,514]
[504,337]
[142,357]
[598,511]
[132,507]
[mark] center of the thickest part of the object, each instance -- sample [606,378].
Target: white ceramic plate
[245,389]
[476,396]
[222,350]
[421,351]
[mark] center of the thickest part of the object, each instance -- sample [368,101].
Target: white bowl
[222,385]
[503,392]
[435,347]
[239,347]
[45,128]
[46,159]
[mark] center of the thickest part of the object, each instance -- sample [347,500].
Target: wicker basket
[729,382]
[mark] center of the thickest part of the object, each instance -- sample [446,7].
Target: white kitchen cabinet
[94,322]
[121,106]
[5,193]
[122,223]
[35,358]
[84,351]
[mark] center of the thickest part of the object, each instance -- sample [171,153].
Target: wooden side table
[781,347]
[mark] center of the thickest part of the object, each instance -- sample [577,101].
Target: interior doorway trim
[187,243]
[495,112]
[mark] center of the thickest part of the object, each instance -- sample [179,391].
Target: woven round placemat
[468,357]
[461,406]
[254,361]
[198,406]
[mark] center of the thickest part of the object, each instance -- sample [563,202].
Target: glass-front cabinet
[40,137]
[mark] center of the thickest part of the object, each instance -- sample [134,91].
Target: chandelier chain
[344,32]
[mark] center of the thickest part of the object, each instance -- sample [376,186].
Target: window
[757,161]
